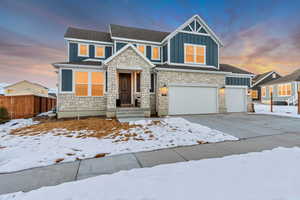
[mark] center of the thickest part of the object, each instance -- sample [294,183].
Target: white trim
[263,78]
[92,59]
[195,33]
[236,86]
[190,70]
[192,85]
[194,45]
[193,65]
[78,66]
[68,49]
[135,41]
[169,52]
[152,46]
[201,22]
[145,48]
[95,51]
[88,41]
[239,75]
[130,67]
[123,49]
[115,46]
[88,50]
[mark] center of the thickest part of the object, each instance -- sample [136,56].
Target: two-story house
[148,72]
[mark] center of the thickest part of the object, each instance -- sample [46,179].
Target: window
[81,83]
[270,90]
[285,89]
[83,50]
[152,83]
[99,51]
[89,83]
[138,82]
[97,83]
[254,94]
[141,48]
[263,91]
[155,53]
[274,75]
[194,54]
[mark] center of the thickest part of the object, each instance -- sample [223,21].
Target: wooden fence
[26,106]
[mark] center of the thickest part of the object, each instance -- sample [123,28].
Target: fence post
[271,101]
[299,102]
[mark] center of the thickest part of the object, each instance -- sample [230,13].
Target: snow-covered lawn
[32,149]
[287,111]
[268,175]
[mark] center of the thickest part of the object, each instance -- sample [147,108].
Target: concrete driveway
[243,125]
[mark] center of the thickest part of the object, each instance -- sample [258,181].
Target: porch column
[145,91]
[111,91]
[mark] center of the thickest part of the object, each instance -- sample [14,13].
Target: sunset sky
[259,35]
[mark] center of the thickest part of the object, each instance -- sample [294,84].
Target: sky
[258,35]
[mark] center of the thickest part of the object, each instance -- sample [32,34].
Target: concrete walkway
[30,179]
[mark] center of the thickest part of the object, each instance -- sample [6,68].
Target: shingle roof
[294,76]
[223,68]
[87,34]
[137,33]
[233,69]
[166,66]
[95,63]
[258,77]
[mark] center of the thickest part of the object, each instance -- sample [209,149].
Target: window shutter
[66,80]
[152,83]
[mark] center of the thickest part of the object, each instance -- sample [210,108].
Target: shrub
[3,115]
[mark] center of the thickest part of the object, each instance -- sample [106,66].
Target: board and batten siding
[119,46]
[165,53]
[73,52]
[238,81]
[177,47]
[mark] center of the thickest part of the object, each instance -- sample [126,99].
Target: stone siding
[128,58]
[69,105]
[173,77]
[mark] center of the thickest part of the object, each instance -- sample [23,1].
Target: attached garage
[236,99]
[192,99]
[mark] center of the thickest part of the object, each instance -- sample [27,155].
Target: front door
[125,88]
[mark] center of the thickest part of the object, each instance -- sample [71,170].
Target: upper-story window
[155,53]
[83,50]
[194,54]
[141,48]
[99,51]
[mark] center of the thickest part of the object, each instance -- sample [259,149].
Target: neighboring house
[284,89]
[163,73]
[259,80]
[25,88]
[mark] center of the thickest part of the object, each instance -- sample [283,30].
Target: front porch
[128,83]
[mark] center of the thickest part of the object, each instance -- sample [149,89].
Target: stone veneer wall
[69,105]
[128,58]
[168,77]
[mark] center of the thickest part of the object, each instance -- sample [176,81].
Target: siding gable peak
[195,25]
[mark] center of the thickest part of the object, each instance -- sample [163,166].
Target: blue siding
[238,81]
[66,80]
[119,45]
[73,52]
[177,47]
[165,53]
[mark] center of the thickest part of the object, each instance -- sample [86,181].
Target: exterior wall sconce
[222,90]
[164,90]
[249,92]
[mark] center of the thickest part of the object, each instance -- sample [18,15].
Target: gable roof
[85,34]
[294,76]
[137,33]
[202,23]
[258,77]
[233,69]
[123,49]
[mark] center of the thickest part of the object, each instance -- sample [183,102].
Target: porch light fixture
[222,90]
[164,90]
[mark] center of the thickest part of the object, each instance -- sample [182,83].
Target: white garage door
[236,99]
[192,100]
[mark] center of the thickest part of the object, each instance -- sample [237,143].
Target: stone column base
[111,113]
